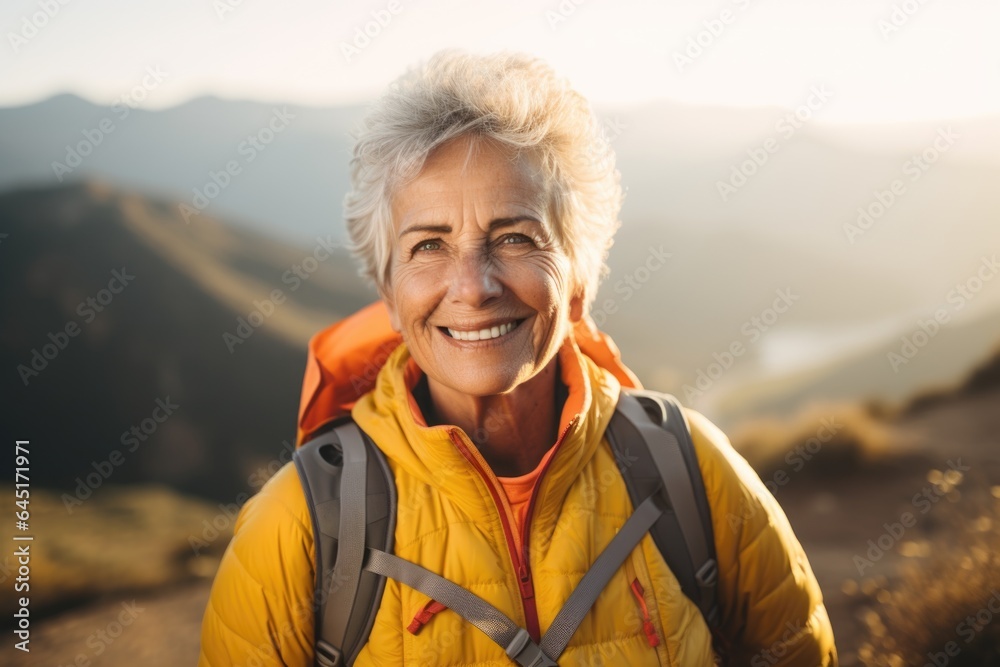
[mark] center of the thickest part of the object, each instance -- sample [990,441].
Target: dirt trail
[158,629]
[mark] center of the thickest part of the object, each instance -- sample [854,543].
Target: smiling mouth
[483,334]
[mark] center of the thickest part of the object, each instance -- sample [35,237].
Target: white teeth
[483,334]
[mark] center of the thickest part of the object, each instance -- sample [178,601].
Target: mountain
[792,225]
[292,160]
[672,157]
[140,348]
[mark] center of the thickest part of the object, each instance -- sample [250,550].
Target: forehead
[465,173]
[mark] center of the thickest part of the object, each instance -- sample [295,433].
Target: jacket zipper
[527,590]
[647,622]
[521,560]
[648,628]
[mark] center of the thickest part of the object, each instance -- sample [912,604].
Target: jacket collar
[345,358]
[445,458]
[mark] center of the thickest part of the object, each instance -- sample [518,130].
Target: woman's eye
[432,244]
[515,239]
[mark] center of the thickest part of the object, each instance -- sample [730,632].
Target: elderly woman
[483,207]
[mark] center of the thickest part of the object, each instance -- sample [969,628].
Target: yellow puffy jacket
[454,519]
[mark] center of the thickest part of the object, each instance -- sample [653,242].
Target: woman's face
[479,287]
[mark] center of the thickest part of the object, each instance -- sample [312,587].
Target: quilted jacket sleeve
[260,611]
[772,607]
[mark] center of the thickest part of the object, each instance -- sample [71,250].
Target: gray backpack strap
[586,592]
[352,502]
[344,473]
[496,625]
[491,621]
[652,443]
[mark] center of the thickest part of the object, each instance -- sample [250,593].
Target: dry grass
[828,439]
[122,539]
[938,612]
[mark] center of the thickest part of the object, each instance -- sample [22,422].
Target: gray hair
[513,99]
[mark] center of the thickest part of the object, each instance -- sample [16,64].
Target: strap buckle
[527,653]
[328,655]
[707,577]
[708,574]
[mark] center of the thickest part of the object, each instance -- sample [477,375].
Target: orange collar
[345,358]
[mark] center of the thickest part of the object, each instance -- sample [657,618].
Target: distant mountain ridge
[301,173]
[784,228]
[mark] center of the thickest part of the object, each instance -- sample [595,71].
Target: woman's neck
[513,431]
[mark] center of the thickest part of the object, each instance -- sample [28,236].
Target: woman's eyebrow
[500,223]
[497,223]
[440,229]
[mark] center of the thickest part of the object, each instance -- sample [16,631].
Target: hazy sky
[882,59]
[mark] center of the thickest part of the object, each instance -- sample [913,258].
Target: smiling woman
[483,296]
[509,524]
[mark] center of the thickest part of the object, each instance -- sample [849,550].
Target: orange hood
[345,358]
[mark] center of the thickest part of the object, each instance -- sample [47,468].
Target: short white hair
[513,99]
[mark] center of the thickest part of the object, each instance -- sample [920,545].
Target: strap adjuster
[708,574]
[328,655]
[526,652]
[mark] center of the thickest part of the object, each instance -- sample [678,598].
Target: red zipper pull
[527,588]
[424,616]
[647,623]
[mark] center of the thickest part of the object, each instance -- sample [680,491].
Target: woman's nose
[473,280]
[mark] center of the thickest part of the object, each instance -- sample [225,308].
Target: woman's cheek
[404,273]
[550,270]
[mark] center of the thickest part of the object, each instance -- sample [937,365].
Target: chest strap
[496,625]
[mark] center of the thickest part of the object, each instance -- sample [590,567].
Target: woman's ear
[576,305]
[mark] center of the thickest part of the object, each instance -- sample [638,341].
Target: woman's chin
[482,384]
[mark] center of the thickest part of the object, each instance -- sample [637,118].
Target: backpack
[351,496]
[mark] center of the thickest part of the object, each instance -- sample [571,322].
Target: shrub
[944,609]
[842,438]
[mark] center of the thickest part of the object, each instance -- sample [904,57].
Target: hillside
[935,455]
[146,368]
[938,365]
